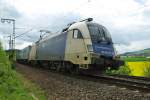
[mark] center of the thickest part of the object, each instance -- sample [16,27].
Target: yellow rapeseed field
[138,68]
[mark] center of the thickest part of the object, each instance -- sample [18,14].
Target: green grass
[133,59]
[13,86]
[31,88]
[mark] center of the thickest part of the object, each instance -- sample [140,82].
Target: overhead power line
[24,33]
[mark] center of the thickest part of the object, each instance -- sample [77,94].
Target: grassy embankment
[134,67]
[135,59]
[13,86]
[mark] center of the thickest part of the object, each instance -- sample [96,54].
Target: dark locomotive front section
[102,48]
[83,45]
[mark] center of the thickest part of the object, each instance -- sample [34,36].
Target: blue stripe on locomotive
[52,48]
[104,49]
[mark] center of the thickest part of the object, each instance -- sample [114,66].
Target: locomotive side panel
[18,52]
[24,54]
[52,48]
[32,54]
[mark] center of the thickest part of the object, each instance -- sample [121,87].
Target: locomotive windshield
[99,33]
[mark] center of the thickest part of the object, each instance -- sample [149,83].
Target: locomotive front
[90,46]
[103,54]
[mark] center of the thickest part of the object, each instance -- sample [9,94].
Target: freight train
[81,46]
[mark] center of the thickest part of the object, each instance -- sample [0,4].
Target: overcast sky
[127,20]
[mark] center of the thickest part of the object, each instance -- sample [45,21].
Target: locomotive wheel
[59,69]
[33,63]
[74,70]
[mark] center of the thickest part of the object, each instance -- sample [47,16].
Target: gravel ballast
[61,87]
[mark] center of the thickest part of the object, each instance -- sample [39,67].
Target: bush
[123,70]
[147,71]
[10,86]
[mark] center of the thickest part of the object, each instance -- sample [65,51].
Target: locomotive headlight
[90,48]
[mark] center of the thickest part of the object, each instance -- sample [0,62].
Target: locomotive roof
[79,24]
[48,37]
[82,25]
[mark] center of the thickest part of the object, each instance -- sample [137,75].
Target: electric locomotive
[82,45]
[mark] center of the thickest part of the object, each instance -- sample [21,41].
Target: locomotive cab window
[77,34]
[99,33]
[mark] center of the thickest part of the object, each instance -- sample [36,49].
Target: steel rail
[131,82]
[132,77]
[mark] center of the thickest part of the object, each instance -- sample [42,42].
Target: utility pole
[13,34]
[10,42]
[12,38]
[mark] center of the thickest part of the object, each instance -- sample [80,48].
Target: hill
[140,53]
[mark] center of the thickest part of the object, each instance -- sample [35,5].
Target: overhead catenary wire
[24,33]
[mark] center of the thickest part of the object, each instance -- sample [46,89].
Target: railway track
[72,86]
[132,82]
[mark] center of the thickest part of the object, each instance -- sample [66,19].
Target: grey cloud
[5,29]
[146,15]
[53,23]
[126,36]
[8,10]
[140,1]
[57,22]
